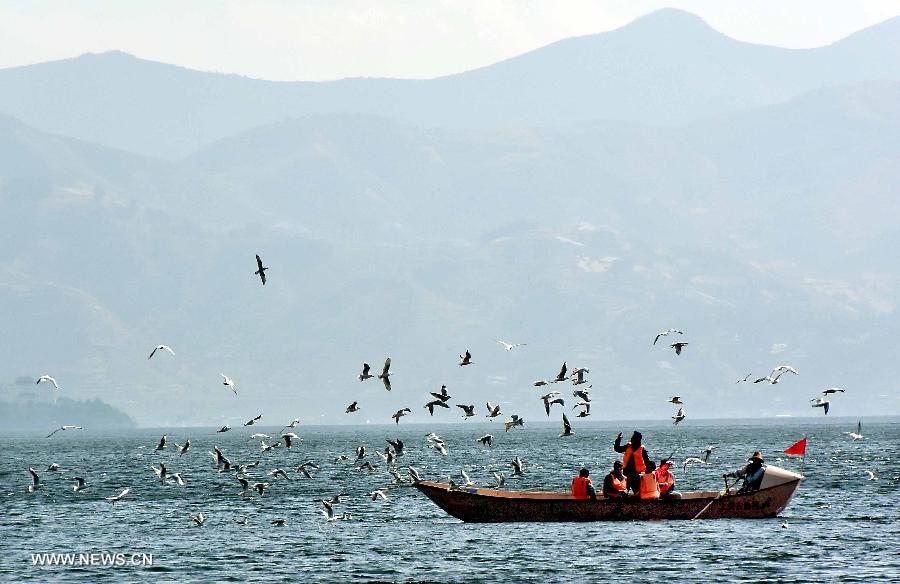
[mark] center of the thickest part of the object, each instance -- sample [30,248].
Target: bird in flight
[513,422]
[160,348]
[63,428]
[435,403]
[49,380]
[365,373]
[858,434]
[510,346]
[676,399]
[678,347]
[550,399]
[832,390]
[385,376]
[578,376]
[493,411]
[667,333]
[228,382]
[252,421]
[746,377]
[261,270]
[486,440]
[465,359]
[567,427]
[161,445]
[399,414]
[352,408]
[561,376]
[118,497]
[821,403]
[468,411]
[678,416]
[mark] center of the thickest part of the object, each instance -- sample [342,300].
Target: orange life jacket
[665,479]
[649,487]
[579,487]
[638,454]
[620,486]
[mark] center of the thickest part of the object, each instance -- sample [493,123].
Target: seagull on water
[567,427]
[510,346]
[399,414]
[183,449]
[385,376]
[518,466]
[260,269]
[278,522]
[49,380]
[870,476]
[160,348]
[179,479]
[79,484]
[118,497]
[666,333]
[360,452]
[858,434]
[64,428]
[228,382]
[354,407]
[365,373]
[53,467]
[198,519]
[500,478]
[468,411]
[821,403]
[465,359]
[513,422]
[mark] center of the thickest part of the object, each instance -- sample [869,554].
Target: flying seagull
[512,423]
[678,347]
[561,376]
[518,466]
[435,403]
[493,411]
[184,449]
[352,408]
[161,445]
[667,333]
[385,376]
[378,494]
[746,377]
[858,434]
[487,440]
[465,359]
[198,519]
[261,270]
[678,416]
[708,452]
[79,484]
[160,348]
[444,395]
[63,428]
[118,497]
[35,481]
[397,445]
[365,373]
[399,414]
[510,347]
[468,411]
[578,375]
[676,399]
[550,399]
[48,379]
[567,427]
[821,403]
[224,428]
[252,421]
[228,382]
[832,390]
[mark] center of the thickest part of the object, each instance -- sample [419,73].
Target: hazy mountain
[666,68]
[765,234]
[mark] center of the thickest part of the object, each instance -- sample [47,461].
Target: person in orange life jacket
[582,488]
[649,486]
[634,459]
[615,483]
[666,480]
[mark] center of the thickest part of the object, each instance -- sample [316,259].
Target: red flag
[798,448]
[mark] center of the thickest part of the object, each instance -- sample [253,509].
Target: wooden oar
[722,494]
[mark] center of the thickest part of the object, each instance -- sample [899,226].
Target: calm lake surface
[840,525]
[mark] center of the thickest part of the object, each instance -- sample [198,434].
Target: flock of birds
[250,485]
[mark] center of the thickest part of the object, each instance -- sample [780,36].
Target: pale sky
[330,39]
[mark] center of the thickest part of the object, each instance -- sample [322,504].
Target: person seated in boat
[752,473]
[634,459]
[582,488]
[666,480]
[615,484]
[649,486]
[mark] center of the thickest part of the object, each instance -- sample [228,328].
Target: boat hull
[492,506]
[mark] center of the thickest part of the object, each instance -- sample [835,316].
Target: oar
[722,494]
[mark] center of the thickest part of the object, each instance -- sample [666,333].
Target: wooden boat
[476,505]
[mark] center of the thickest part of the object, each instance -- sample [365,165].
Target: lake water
[839,526]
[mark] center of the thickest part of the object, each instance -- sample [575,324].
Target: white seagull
[510,347]
[48,379]
[63,428]
[118,497]
[667,333]
[228,382]
[160,348]
[858,434]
